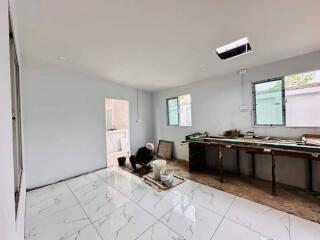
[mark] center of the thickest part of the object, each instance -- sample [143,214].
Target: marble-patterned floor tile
[37,195]
[131,186]
[135,190]
[159,231]
[115,178]
[126,223]
[84,190]
[157,203]
[192,221]
[86,233]
[43,202]
[119,169]
[229,230]
[262,219]
[209,197]
[122,206]
[58,226]
[81,184]
[302,229]
[102,201]
[106,170]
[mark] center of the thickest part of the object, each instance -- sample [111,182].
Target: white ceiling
[153,44]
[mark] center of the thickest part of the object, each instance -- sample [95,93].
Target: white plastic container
[158,165]
[167,177]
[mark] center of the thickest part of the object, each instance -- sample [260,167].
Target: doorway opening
[117,130]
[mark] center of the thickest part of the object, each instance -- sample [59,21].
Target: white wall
[64,121]
[215,108]
[11,227]
[299,111]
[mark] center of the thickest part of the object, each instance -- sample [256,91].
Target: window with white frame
[291,101]
[179,111]
[268,102]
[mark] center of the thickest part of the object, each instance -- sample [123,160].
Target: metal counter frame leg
[310,187]
[253,165]
[238,161]
[273,175]
[220,156]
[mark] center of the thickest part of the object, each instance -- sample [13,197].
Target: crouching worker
[143,156]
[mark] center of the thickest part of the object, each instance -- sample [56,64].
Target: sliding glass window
[179,111]
[268,98]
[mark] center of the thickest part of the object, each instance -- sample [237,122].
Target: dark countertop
[284,145]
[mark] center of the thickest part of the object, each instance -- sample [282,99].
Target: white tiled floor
[114,204]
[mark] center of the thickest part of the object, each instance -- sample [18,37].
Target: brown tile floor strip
[293,200]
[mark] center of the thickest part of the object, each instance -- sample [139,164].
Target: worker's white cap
[150,146]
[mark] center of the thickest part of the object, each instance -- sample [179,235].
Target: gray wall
[216,107]
[64,121]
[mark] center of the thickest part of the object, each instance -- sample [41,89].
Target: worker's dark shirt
[144,155]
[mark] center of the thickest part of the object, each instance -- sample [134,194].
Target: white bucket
[158,165]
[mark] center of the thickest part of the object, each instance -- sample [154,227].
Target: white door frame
[128,130]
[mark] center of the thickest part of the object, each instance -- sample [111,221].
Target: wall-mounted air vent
[234,49]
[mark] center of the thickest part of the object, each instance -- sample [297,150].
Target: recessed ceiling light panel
[234,49]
